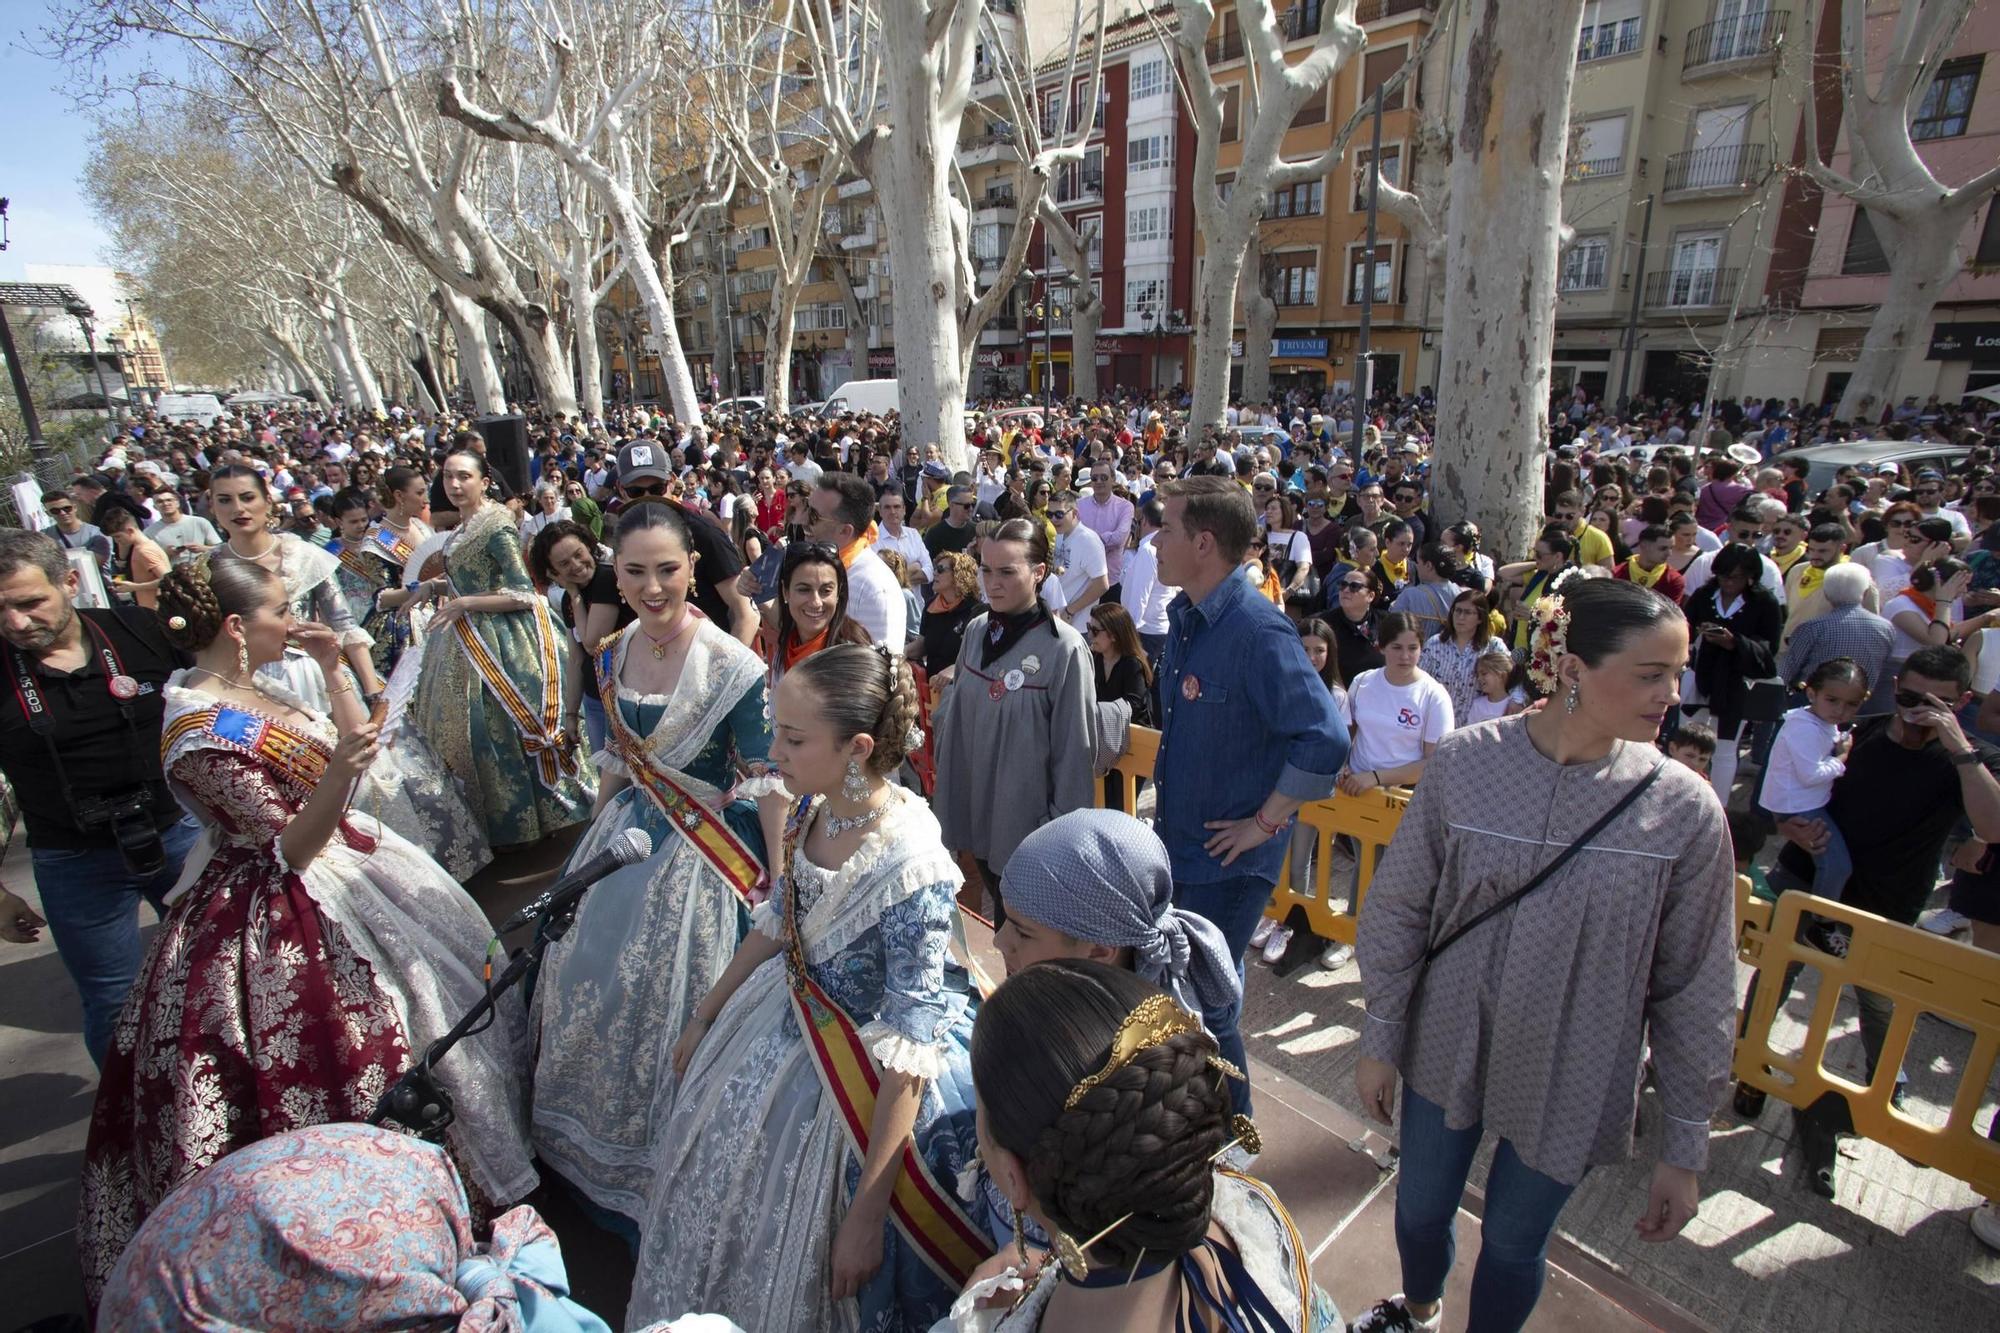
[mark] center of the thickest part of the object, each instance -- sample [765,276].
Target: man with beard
[80,742]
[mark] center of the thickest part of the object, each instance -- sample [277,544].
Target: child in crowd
[1498,695]
[1809,754]
[913,604]
[1692,745]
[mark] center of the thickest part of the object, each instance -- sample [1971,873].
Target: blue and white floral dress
[755,1172]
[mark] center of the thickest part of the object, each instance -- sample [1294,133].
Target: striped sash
[397,550]
[542,736]
[298,759]
[704,829]
[928,1214]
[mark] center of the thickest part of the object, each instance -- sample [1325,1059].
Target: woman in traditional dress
[686,703]
[1022,702]
[564,555]
[829,1060]
[408,788]
[312,951]
[370,577]
[1103,1108]
[490,696]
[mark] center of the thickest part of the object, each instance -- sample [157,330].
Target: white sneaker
[1985,1222]
[1265,925]
[1943,921]
[1275,946]
[1393,1316]
[1336,956]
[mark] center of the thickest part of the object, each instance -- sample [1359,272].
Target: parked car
[747,406]
[1823,462]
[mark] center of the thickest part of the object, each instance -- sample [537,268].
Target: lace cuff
[527,598]
[767,920]
[899,1053]
[356,638]
[764,784]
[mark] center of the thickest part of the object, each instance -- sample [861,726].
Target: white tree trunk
[1512,79]
[911,168]
[857,320]
[1214,323]
[365,384]
[302,373]
[1086,317]
[778,338]
[1924,256]
[1260,324]
[476,365]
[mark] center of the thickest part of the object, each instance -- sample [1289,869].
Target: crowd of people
[294,677]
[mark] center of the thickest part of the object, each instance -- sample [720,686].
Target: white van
[202,408]
[876,396]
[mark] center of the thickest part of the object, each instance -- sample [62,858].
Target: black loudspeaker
[506,449]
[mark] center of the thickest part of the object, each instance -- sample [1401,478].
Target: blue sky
[47,140]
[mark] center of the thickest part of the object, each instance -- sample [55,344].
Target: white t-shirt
[909,543]
[1393,723]
[1145,596]
[875,600]
[1959,526]
[1079,557]
[1800,773]
[187,530]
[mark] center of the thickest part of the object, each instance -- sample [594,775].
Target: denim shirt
[1243,714]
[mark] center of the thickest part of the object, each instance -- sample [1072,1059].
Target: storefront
[1977,346]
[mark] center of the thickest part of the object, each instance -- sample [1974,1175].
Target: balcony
[1087,189]
[1724,168]
[1301,21]
[1610,39]
[982,149]
[1596,168]
[1732,44]
[1000,331]
[1374,11]
[1692,288]
[995,206]
[1227,47]
[853,189]
[858,233]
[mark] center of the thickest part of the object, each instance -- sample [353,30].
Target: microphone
[629,848]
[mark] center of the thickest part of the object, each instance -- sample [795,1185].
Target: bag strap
[1561,859]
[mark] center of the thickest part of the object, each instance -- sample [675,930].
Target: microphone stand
[417,1101]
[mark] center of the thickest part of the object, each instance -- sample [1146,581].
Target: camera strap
[35,702]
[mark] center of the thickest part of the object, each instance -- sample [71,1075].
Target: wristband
[1968,759]
[1270,830]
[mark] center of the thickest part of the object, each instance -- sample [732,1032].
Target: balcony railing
[1731,41]
[1225,48]
[1692,288]
[1591,168]
[1371,11]
[996,199]
[1722,167]
[1610,39]
[1302,20]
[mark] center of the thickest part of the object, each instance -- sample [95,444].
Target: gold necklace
[660,646]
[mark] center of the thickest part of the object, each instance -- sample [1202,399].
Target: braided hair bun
[865,689]
[195,598]
[1139,1143]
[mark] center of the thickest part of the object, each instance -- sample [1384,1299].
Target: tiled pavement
[1892,1252]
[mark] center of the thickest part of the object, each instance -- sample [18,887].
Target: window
[1149,79]
[1227,41]
[1600,148]
[1232,112]
[1143,296]
[1358,268]
[1295,279]
[1313,112]
[1090,230]
[1377,68]
[990,240]
[1864,253]
[1051,112]
[1392,173]
[1076,182]
[1149,222]
[1988,251]
[1306,200]
[816,318]
[1610,28]
[1302,20]
[1947,104]
[1154,152]
[1225,185]
[1583,266]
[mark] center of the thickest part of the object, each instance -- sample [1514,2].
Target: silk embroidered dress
[652,938]
[274,998]
[489,699]
[755,1169]
[363,572]
[407,786]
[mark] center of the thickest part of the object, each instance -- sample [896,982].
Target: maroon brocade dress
[274,999]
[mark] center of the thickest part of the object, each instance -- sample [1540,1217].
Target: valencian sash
[928,1214]
[542,736]
[297,759]
[703,828]
[350,555]
[396,550]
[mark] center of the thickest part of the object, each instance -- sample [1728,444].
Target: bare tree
[1921,221]
[1086,309]
[1503,225]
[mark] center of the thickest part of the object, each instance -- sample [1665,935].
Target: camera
[128,818]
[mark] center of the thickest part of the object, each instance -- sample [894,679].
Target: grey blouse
[1535,1021]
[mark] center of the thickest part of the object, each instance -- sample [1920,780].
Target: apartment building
[1956,129]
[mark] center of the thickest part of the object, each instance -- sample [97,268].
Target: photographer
[80,741]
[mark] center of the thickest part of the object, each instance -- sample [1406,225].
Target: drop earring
[242,660]
[1569,703]
[852,785]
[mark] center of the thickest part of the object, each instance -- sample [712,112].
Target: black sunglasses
[1911,699]
[60,509]
[1354,585]
[1058,515]
[655,491]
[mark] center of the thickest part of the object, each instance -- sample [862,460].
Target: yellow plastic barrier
[1919,971]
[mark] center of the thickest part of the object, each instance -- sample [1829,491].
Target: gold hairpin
[1156,1020]
[1071,1255]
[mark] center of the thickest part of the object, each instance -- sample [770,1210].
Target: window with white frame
[1359,268]
[1143,296]
[817,318]
[1392,172]
[1600,148]
[1149,222]
[1295,279]
[1149,79]
[1305,200]
[1584,266]
[1052,104]
[1090,230]
[1153,152]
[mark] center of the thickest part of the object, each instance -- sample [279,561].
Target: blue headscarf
[1103,877]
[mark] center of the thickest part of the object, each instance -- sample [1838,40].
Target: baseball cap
[642,459]
[1887,470]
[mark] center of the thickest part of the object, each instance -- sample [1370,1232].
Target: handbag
[1541,876]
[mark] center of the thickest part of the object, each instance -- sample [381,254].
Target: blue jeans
[1833,865]
[1233,905]
[91,902]
[1521,1209]
[595,724]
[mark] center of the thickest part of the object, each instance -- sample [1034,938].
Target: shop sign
[882,363]
[1964,342]
[1300,347]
